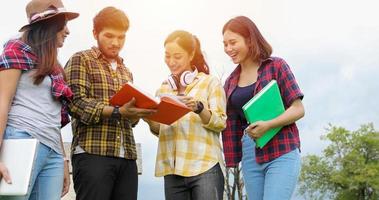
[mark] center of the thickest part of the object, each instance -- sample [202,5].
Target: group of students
[37,94]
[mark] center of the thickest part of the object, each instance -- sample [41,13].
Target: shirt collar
[98,54]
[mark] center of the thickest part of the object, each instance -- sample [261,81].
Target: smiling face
[236,47]
[110,41]
[61,36]
[177,59]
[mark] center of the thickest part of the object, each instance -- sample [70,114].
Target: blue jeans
[206,186]
[47,176]
[274,180]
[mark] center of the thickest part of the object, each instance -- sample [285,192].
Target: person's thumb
[131,102]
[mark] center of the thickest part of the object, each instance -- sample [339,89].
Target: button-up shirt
[94,82]
[188,147]
[287,139]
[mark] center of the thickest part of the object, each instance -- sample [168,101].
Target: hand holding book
[189,101]
[258,129]
[266,105]
[129,110]
[169,107]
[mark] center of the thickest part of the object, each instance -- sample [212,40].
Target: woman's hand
[66,179]
[189,101]
[4,173]
[257,129]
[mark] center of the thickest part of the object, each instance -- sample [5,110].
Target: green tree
[347,169]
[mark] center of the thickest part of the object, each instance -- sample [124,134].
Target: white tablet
[18,155]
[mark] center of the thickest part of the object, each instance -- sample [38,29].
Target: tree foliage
[347,169]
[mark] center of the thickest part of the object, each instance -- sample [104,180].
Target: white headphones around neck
[185,79]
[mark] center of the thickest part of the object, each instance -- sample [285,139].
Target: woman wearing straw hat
[34,95]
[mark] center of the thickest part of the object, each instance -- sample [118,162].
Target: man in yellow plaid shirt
[103,146]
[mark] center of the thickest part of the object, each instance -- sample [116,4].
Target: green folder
[267,104]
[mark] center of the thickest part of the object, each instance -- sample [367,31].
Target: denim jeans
[274,180]
[46,182]
[206,186]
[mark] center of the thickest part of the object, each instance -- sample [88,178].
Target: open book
[169,107]
[267,104]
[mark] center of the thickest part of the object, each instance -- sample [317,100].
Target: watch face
[200,107]
[116,113]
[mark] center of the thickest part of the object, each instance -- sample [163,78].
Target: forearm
[3,122]
[88,111]
[4,107]
[291,115]
[205,116]
[107,111]
[216,107]
[154,126]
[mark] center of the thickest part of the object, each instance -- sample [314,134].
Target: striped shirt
[188,147]
[94,82]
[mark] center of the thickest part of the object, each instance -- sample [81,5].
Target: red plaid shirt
[288,137]
[18,55]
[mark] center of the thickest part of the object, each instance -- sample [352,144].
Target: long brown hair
[260,49]
[42,38]
[190,44]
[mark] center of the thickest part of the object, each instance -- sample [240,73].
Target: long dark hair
[190,44]
[42,38]
[260,49]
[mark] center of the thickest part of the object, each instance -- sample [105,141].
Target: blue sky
[331,47]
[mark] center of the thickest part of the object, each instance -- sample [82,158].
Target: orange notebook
[169,108]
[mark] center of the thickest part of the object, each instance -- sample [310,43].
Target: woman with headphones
[189,150]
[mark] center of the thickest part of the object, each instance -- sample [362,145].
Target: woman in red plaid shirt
[34,97]
[270,172]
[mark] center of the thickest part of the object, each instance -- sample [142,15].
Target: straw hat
[39,10]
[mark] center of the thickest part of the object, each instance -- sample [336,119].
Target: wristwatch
[200,107]
[116,113]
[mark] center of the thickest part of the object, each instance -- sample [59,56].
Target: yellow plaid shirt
[188,147]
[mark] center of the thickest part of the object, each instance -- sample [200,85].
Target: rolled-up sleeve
[87,110]
[289,88]
[217,106]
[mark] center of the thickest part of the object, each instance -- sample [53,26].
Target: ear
[95,34]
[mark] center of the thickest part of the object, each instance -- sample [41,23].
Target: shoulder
[212,78]
[89,53]
[16,45]
[211,82]
[274,65]
[273,62]
[17,55]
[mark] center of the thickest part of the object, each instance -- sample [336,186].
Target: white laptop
[18,155]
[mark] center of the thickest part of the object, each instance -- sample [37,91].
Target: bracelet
[66,159]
